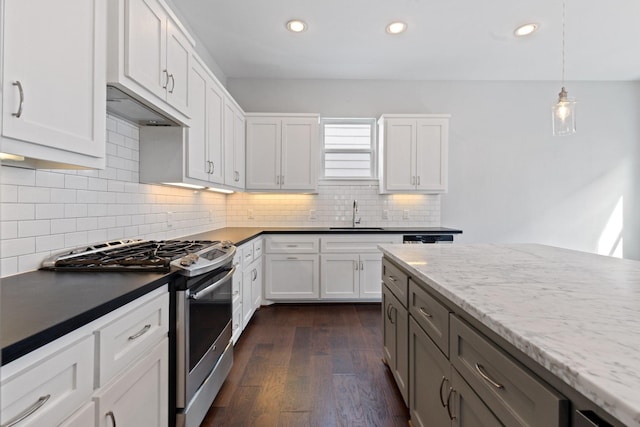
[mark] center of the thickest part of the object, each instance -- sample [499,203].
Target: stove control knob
[226,244]
[188,260]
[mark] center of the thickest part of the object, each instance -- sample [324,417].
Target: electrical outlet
[312,215]
[249,213]
[385,214]
[405,214]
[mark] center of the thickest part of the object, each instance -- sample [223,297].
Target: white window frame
[374,148]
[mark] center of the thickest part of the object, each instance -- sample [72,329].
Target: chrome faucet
[355,211]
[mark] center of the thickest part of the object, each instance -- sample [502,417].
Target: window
[348,148]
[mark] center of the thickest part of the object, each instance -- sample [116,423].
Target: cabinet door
[429,380]
[197,161]
[263,153]
[370,282]
[239,150]
[138,397]
[468,410]
[399,154]
[83,417]
[300,158]
[146,45]
[396,340]
[256,285]
[291,277]
[178,65]
[431,154]
[57,58]
[247,299]
[340,276]
[215,106]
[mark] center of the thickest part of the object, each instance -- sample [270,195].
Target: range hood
[123,105]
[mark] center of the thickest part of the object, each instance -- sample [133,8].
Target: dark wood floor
[310,365]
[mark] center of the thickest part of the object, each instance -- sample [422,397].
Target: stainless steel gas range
[201,309]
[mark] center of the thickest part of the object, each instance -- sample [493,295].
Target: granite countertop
[40,306]
[576,314]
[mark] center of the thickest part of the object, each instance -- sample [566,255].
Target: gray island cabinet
[512,335]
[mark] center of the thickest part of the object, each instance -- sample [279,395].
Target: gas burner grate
[149,256]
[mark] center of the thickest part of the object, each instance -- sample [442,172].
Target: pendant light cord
[564,3]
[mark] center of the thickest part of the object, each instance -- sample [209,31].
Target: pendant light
[563,112]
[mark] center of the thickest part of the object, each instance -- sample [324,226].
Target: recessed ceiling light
[396,27]
[296,26]
[525,30]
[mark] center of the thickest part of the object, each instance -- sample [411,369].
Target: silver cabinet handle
[393,279]
[112,416]
[391,319]
[282,179]
[236,176]
[355,265]
[292,257]
[361,266]
[21,92]
[254,274]
[451,416]
[278,179]
[442,402]
[424,313]
[27,412]
[166,80]
[140,333]
[173,83]
[292,246]
[389,311]
[418,179]
[213,167]
[486,377]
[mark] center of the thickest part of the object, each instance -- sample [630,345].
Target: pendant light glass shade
[563,115]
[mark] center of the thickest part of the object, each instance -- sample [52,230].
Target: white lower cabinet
[63,383]
[45,390]
[247,285]
[350,276]
[251,290]
[292,277]
[139,396]
[83,417]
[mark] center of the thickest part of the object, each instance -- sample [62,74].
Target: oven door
[203,329]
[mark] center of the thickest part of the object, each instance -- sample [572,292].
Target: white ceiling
[446,39]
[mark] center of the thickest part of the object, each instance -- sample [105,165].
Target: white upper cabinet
[53,82]
[414,153]
[234,140]
[282,152]
[149,55]
[204,142]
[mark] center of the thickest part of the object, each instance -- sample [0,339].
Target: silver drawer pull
[442,402]
[141,333]
[451,416]
[424,312]
[292,246]
[27,412]
[19,113]
[112,416]
[292,257]
[393,279]
[486,377]
[236,292]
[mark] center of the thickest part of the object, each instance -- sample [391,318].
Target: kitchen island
[571,318]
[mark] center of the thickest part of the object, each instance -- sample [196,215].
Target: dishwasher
[423,239]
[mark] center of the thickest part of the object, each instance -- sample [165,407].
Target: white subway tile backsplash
[60,195]
[33,228]
[8,193]
[9,229]
[49,179]
[16,247]
[31,261]
[8,265]
[17,176]
[77,182]
[17,211]
[86,224]
[78,238]
[51,242]
[49,210]
[66,225]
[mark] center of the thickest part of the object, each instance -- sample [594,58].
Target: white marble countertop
[576,314]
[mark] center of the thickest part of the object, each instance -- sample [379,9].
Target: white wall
[509,179]
[47,211]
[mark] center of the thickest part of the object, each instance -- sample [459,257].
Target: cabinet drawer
[396,280]
[126,338]
[58,384]
[247,255]
[288,244]
[513,394]
[355,243]
[432,316]
[257,249]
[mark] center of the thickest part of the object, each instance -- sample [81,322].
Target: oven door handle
[213,286]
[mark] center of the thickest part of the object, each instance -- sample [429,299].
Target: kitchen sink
[355,228]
